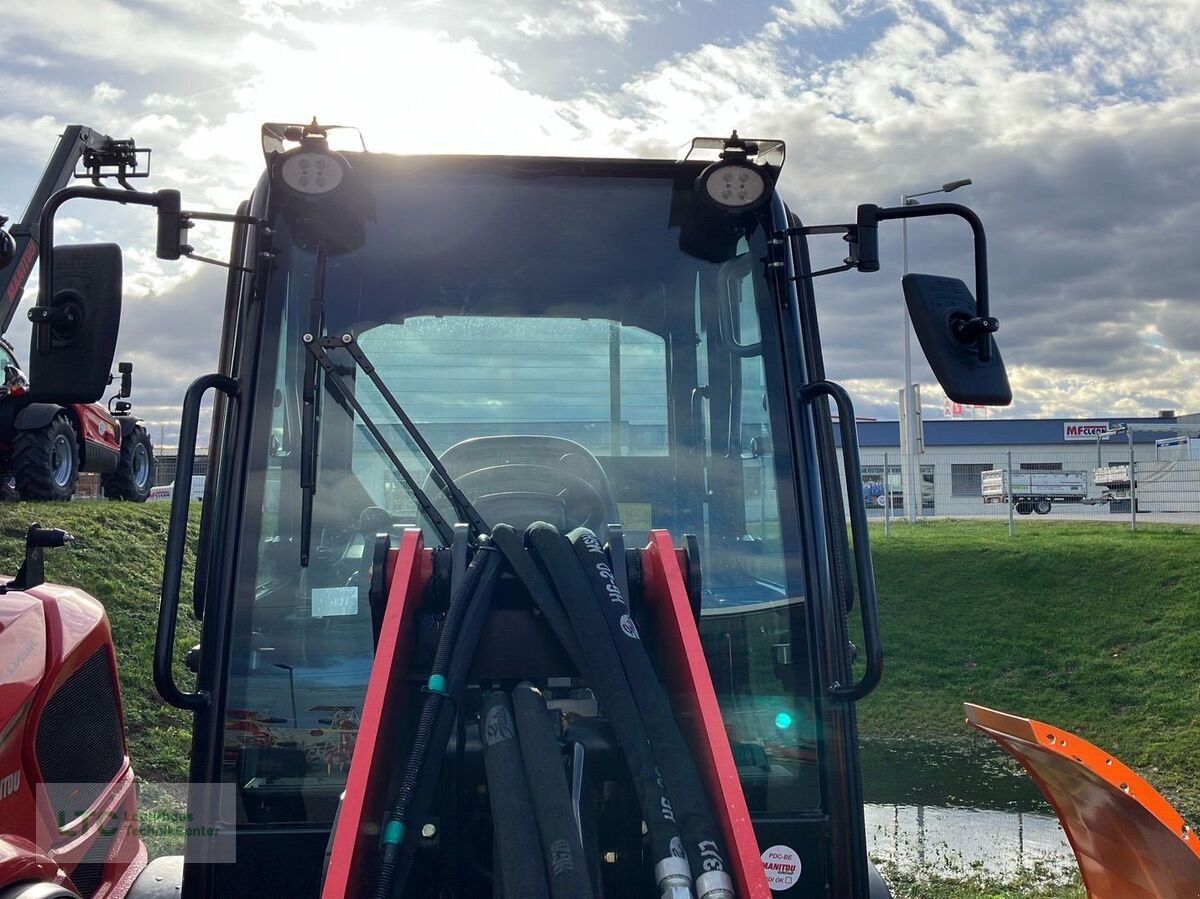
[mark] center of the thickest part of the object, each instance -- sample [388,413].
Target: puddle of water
[959,841]
[956,809]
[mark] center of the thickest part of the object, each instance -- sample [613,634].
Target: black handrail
[168,610]
[864,570]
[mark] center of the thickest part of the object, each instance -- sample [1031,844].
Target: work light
[734,185]
[310,172]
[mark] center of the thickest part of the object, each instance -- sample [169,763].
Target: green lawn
[1085,626]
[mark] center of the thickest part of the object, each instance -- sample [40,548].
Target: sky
[1078,122]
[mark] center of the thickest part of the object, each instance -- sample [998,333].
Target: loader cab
[584,342]
[579,341]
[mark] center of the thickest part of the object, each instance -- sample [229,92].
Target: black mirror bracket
[863,255]
[173,224]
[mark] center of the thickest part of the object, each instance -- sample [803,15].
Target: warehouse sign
[1083,430]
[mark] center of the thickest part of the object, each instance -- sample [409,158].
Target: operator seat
[522,478]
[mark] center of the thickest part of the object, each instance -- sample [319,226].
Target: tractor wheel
[8,489]
[1042,507]
[135,471]
[46,461]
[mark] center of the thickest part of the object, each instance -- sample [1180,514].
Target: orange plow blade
[1129,842]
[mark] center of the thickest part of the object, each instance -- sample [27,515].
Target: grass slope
[117,557]
[1085,626]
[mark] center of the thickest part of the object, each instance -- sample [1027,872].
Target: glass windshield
[542,332]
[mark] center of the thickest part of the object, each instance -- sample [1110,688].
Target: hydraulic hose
[702,838]
[562,849]
[436,694]
[517,865]
[473,619]
[560,566]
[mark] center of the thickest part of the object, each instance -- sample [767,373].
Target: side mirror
[75,334]
[945,318]
[126,370]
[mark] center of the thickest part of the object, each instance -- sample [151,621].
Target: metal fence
[164,465]
[1017,485]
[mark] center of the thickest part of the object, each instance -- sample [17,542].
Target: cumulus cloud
[104,93]
[1077,122]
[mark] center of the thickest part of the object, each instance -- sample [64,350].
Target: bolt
[428,831]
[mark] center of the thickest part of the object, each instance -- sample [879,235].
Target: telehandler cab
[523,565]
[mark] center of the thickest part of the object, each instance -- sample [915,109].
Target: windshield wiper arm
[309,417]
[441,476]
[317,347]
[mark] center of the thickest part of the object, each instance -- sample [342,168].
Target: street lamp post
[910,472]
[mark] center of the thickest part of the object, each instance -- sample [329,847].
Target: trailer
[1171,483]
[1033,491]
[1168,486]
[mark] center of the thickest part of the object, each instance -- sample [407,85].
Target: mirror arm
[186,218]
[849,234]
[982,325]
[46,241]
[173,222]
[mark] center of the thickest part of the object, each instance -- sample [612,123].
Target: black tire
[1024,507]
[8,489]
[135,471]
[1042,506]
[46,461]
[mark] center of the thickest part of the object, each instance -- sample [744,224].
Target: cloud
[104,93]
[1078,123]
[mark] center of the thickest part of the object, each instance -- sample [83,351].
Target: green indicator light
[783,720]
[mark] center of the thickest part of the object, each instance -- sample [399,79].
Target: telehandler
[524,567]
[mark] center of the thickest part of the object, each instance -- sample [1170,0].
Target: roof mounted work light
[737,182]
[315,188]
[310,170]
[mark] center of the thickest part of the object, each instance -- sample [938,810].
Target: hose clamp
[714,885]
[674,878]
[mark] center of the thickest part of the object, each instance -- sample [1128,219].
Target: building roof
[1010,431]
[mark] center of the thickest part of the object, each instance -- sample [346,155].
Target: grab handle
[864,570]
[168,609]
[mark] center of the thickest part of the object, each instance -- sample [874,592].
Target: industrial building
[957,451]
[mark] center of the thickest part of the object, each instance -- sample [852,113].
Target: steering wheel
[582,502]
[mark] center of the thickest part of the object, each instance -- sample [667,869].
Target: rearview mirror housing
[938,308]
[82,318]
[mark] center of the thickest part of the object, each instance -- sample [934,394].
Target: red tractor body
[45,446]
[66,816]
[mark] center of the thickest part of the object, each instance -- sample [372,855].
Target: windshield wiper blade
[317,347]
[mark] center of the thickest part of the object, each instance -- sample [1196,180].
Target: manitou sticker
[782,867]
[10,783]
